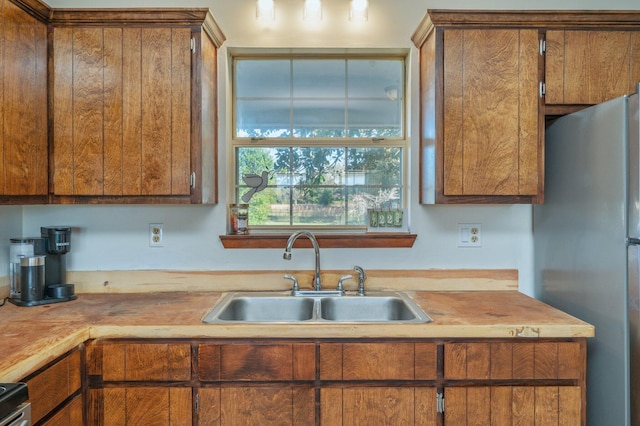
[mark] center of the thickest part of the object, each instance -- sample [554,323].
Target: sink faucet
[317,281]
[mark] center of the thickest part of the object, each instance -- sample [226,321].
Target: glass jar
[18,248]
[239,219]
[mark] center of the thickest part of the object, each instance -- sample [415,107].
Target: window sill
[365,240]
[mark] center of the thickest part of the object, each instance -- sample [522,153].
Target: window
[318,141]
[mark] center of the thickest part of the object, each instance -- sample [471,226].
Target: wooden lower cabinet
[55,391]
[149,406]
[518,405]
[226,382]
[256,405]
[69,415]
[382,405]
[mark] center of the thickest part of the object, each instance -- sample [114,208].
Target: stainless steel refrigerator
[586,247]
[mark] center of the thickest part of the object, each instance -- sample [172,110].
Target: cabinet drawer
[378,361]
[52,386]
[257,405]
[141,406]
[245,362]
[69,415]
[131,361]
[495,361]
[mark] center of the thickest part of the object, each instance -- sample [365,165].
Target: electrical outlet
[155,235]
[469,235]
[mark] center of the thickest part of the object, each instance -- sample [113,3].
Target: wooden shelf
[365,240]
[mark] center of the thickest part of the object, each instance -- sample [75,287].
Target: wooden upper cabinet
[481,135]
[133,107]
[23,106]
[490,131]
[585,67]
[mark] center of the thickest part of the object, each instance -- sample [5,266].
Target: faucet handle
[362,276]
[296,287]
[341,280]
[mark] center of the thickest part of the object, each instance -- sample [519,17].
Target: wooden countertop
[34,336]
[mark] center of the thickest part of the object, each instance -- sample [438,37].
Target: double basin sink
[280,307]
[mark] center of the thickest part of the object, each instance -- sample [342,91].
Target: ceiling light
[359,10]
[265,10]
[312,10]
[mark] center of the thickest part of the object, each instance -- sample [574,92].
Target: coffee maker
[43,276]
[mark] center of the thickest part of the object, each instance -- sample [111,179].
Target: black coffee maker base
[45,301]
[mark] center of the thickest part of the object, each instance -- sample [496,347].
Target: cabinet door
[522,360]
[517,405]
[51,387]
[149,406]
[139,362]
[24,156]
[256,405]
[256,362]
[590,67]
[121,111]
[386,405]
[69,415]
[491,133]
[378,361]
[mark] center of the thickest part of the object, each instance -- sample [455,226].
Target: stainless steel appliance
[14,408]
[586,247]
[43,276]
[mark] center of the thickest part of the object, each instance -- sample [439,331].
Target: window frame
[403,142]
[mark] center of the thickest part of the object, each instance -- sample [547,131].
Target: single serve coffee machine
[42,277]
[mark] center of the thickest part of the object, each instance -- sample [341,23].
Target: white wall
[115,237]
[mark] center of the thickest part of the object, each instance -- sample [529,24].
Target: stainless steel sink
[371,309]
[274,307]
[262,308]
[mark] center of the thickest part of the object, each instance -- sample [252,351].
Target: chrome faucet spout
[317,281]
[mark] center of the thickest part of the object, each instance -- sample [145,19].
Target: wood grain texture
[490,112]
[23,59]
[522,360]
[256,362]
[331,365]
[70,415]
[635,62]
[594,66]
[148,406]
[180,110]
[88,110]
[132,112]
[514,405]
[63,120]
[126,111]
[146,361]
[52,386]
[378,361]
[304,361]
[209,413]
[378,406]
[429,84]
[331,406]
[425,406]
[530,166]
[554,67]
[156,111]
[324,240]
[426,361]
[257,406]
[205,112]
[113,82]
[453,129]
